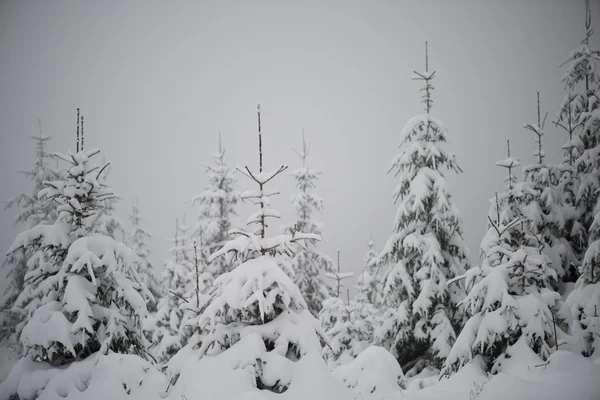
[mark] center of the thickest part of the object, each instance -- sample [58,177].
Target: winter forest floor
[524,376]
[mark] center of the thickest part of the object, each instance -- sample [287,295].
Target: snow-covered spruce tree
[32,211]
[91,295]
[582,78]
[256,309]
[426,249]
[510,297]
[309,265]
[370,281]
[541,205]
[349,325]
[570,231]
[171,333]
[216,206]
[137,241]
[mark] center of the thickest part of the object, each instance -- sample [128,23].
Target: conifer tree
[370,281]
[171,333]
[309,265]
[257,304]
[32,211]
[91,297]
[350,326]
[426,248]
[583,81]
[216,207]
[541,206]
[137,241]
[510,297]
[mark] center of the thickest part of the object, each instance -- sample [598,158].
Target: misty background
[157,81]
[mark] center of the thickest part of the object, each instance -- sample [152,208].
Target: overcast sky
[156,82]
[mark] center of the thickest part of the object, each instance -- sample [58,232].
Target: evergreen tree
[308,264]
[542,207]
[510,297]
[370,281]
[256,307]
[91,297]
[582,79]
[137,241]
[32,211]
[216,206]
[426,248]
[171,333]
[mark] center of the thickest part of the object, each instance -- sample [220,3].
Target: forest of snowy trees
[261,307]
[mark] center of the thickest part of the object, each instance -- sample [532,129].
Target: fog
[157,81]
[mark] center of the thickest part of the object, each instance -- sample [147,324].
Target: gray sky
[156,81]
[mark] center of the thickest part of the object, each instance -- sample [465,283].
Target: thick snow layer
[8,358]
[98,377]
[231,376]
[374,371]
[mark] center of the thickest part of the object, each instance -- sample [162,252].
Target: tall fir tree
[510,297]
[137,241]
[91,297]
[32,211]
[426,249]
[309,265]
[216,207]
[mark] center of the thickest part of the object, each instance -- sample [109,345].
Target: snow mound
[374,371]
[231,376]
[114,377]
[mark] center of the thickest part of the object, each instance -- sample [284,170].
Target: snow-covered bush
[349,327]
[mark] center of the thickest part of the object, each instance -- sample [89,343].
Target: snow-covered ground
[8,359]
[523,376]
